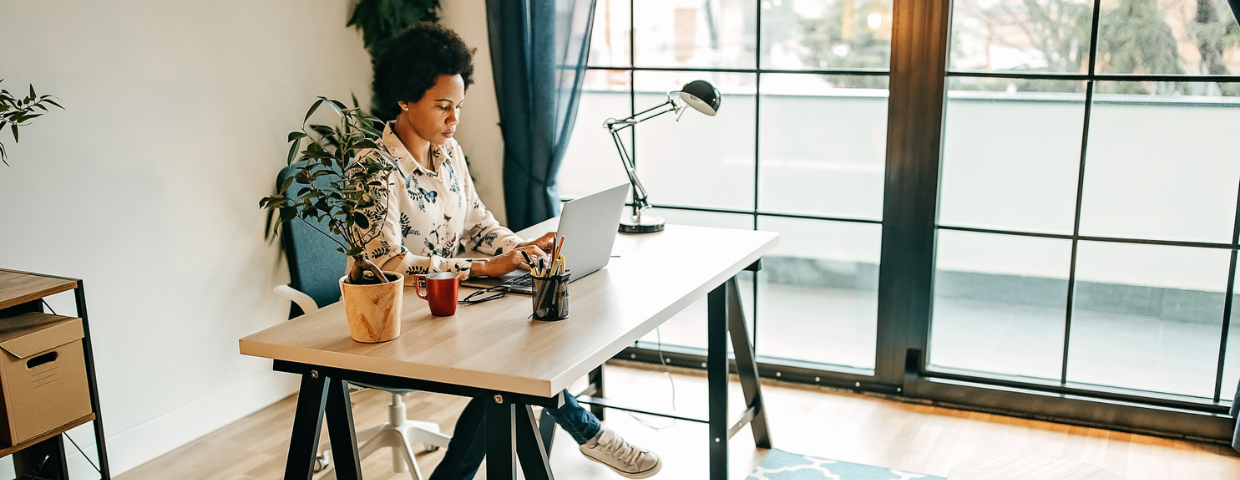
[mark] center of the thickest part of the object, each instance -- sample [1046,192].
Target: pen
[528,261]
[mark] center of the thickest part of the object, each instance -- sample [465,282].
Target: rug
[781,465]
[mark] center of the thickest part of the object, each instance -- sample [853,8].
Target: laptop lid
[588,226]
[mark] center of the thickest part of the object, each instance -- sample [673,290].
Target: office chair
[315,268]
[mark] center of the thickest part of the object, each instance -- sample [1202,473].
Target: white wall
[147,187]
[479,132]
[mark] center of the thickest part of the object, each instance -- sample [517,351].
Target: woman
[434,211]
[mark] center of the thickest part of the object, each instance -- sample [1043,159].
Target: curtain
[538,53]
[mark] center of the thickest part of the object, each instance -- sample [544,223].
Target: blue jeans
[468,446]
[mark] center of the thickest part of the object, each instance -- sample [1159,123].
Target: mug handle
[419,284]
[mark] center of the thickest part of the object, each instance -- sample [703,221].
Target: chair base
[399,434]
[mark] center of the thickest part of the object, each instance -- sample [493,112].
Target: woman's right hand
[501,264]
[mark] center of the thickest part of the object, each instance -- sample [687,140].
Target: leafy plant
[382,20]
[18,112]
[341,181]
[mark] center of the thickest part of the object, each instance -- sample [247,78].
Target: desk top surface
[496,345]
[17,287]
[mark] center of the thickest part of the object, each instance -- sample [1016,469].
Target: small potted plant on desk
[340,182]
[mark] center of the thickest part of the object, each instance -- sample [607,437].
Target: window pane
[688,328]
[818,292]
[824,144]
[609,41]
[1021,35]
[679,33]
[1012,150]
[820,34]
[1193,37]
[1148,317]
[1161,165]
[1000,302]
[699,161]
[591,162]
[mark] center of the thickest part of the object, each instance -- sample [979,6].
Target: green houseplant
[18,112]
[339,188]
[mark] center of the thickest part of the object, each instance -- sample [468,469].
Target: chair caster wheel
[431,448]
[322,462]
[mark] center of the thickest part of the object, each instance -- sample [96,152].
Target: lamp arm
[636,118]
[614,126]
[639,192]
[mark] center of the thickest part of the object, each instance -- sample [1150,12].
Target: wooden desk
[22,292]
[495,351]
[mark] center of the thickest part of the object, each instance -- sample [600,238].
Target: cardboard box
[42,375]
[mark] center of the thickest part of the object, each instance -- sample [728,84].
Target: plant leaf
[312,109]
[292,150]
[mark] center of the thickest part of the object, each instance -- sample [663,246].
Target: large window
[1071,234]
[797,147]
[1087,222]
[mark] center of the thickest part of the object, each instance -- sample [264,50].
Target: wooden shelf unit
[22,292]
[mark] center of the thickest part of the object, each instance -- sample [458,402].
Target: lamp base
[642,224]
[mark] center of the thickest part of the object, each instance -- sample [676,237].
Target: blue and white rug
[781,465]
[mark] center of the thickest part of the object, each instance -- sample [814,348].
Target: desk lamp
[700,95]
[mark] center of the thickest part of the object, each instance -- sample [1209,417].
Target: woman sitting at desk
[424,73]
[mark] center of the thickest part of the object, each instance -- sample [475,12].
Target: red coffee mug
[441,291]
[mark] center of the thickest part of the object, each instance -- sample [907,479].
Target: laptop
[589,226]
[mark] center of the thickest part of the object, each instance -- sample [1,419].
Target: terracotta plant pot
[374,311]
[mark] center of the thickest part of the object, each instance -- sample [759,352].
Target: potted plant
[341,182]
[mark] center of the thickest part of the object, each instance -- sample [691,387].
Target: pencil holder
[551,297]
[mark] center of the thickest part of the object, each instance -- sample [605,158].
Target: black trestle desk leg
[596,381]
[717,378]
[746,366]
[43,460]
[101,449]
[340,431]
[501,437]
[304,444]
[529,447]
[546,429]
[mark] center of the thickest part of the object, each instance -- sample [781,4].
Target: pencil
[559,247]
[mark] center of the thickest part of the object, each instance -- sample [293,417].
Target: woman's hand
[544,242]
[508,261]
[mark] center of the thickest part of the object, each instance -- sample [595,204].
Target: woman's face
[435,116]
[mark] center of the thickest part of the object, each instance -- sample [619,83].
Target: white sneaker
[625,458]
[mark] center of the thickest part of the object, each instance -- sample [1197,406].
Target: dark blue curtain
[538,52]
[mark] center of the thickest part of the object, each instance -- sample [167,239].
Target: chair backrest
[314,264]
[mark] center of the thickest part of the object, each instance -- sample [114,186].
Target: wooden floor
[806,420]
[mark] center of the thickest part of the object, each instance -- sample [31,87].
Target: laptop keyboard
[526,280]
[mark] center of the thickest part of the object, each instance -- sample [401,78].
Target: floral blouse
[433,216]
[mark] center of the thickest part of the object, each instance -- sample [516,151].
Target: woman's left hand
[544,242]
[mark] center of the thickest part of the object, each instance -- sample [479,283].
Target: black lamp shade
[702,96]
